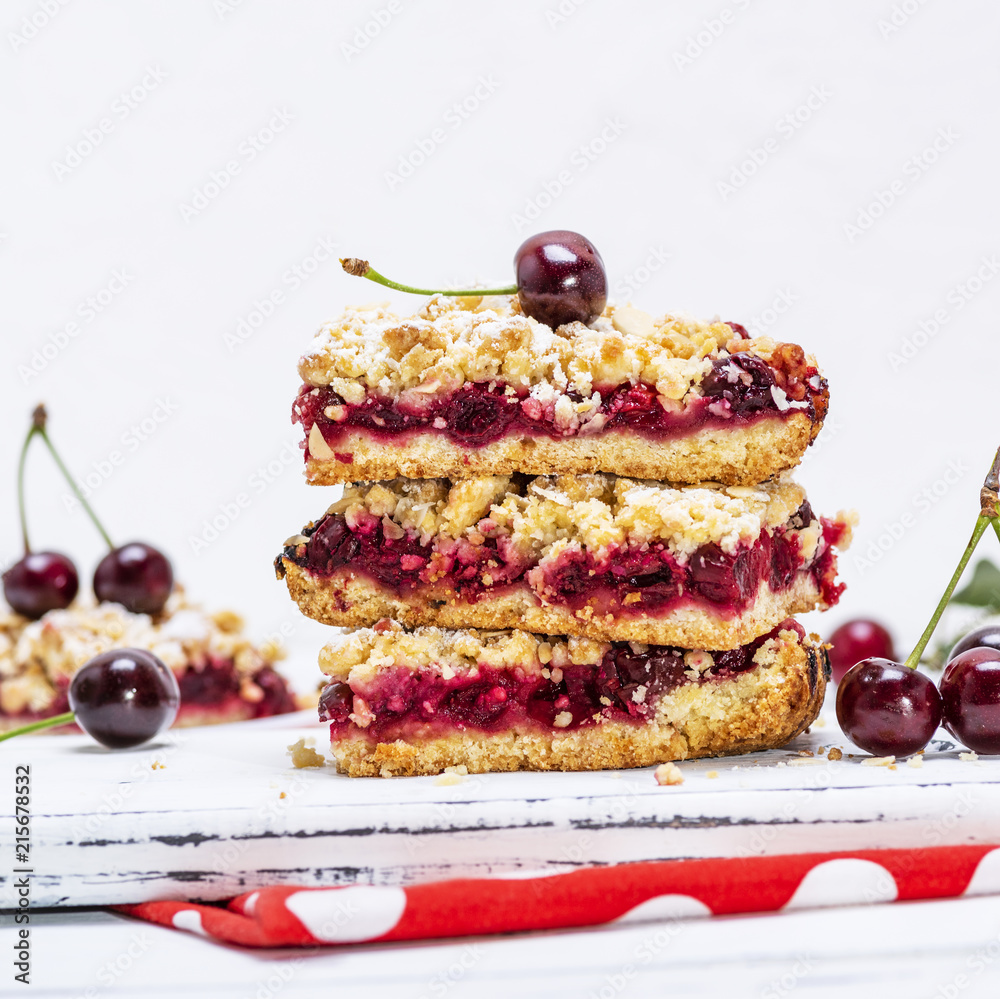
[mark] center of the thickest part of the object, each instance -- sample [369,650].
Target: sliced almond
[318,447]
[632,321]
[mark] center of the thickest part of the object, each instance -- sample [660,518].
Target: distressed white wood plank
[224,812]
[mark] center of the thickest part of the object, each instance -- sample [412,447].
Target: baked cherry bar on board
[596,555]
[471,386]
[222,675]
[406,703]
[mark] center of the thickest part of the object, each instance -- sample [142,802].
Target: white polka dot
[666,907]
[847,881]
[190,920]
[986,880]
[346,915]
[251,903]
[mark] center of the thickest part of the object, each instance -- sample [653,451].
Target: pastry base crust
[741,456]
[348,601]
[760,709]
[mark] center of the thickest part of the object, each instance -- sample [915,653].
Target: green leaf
[983,589]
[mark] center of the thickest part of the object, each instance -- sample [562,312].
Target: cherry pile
[888,708]
[560,279]
[135,575]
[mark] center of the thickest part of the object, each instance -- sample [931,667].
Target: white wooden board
[216,811]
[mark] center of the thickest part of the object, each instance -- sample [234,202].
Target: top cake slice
[470,386]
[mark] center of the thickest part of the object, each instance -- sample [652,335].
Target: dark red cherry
[856,640]
[336,702]
[560,278]
[970,692]
[40,582]
[137,576]
[887,709]
[124,697]
[986,636]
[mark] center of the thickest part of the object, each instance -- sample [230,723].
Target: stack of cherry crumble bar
[560,549]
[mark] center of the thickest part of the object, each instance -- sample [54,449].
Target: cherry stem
[989,502]
[29,437]
[38,725]
[361,268]
[40,428]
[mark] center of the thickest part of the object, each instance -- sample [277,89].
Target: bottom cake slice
[415,702]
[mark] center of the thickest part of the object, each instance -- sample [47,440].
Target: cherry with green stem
[39,582]
[885,710]
[560,279]
[122,698]
[135,575]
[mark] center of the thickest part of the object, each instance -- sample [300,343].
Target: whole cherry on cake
[888,708]
[560,279]
[40,581]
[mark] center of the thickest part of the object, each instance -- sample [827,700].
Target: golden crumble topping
[548,513]
[452,340]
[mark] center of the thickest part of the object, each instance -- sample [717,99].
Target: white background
[690,106]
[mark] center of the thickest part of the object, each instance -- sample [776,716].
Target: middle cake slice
[611,558]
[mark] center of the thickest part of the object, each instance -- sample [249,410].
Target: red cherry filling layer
[623,687]
[624,581]
[740,389]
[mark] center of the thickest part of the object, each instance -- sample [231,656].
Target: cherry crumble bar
[470,386]
[595,555]
[404,703]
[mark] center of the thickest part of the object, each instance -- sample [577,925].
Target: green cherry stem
[361,268]
[38,725]
[40,420]
[29,437]
[989,511]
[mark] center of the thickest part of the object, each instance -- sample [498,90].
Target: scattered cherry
[888,709]
[124,697]
[970,693]
[40,582]
[560,278]
[856,640]
[137,576]
[986,636]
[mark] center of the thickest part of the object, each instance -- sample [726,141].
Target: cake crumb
[304,755]
[878,761]
[835,753]
[969,757]
[282,795]
[819,723]
[157,765]
[805,761]
[452,776]
[915,761]
[806,752]
[712,774]
[668,774]
[821,750]
[892,766]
